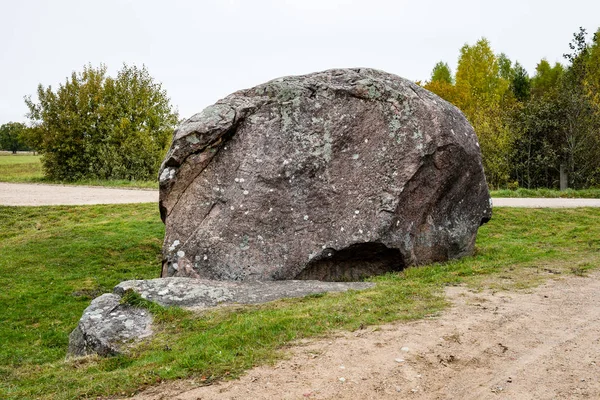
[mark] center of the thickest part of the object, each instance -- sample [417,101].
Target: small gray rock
[107,326]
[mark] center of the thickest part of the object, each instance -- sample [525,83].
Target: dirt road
[544,344]
[19,194]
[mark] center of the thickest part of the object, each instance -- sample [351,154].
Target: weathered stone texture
[107,327]
[332,176]
[198,294]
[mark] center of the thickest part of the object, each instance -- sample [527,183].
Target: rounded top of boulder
[302,174]
[209,125]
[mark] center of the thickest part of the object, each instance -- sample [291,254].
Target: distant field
[27,168]
[20,168]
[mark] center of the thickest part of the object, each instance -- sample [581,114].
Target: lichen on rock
[107,327]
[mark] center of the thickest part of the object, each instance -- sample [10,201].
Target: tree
[580,129]
[529,127]
[536,156]
[442,82]
[505,67]
[591,81]
[482,96]
[520,83]
[560,123]
[441,73]
[99,127]
[546,78]
[478,74]
[11,137]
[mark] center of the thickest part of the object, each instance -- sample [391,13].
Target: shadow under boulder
[354,263]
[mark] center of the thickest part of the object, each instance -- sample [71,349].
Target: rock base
[107,327]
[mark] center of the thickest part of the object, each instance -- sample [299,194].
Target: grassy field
[28,169]
[56,259]
[20,168]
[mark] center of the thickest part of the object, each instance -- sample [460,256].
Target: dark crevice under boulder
[334,175]
[353,263]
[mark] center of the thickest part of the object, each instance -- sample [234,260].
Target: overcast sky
[203,50]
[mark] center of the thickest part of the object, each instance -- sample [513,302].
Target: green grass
[20,168]
[548,193]
[54,260]
[28,169]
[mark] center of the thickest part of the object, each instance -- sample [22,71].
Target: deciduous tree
[97,126]
[481,94]
[442,73]
[11,137]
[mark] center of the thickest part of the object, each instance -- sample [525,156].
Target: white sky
[203,50]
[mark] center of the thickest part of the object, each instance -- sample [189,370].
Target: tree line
[530,127]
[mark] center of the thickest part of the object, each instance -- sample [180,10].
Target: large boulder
[333,176]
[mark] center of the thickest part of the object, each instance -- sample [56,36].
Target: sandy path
[19,194]
[490,345]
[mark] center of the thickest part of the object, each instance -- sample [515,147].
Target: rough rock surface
[199,293]
[107,326]
[331,176]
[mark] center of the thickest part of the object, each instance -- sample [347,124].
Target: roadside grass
[28,169]
[548,193]
[56,259]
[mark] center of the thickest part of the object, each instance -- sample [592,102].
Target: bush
[97,127]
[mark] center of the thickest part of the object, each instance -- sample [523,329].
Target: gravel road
[20,194]
[545,203]
[23,194]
